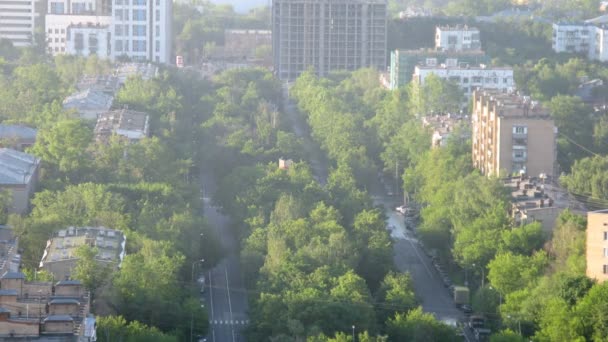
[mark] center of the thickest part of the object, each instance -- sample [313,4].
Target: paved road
[225,297]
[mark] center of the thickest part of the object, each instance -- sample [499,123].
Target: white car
[402,209]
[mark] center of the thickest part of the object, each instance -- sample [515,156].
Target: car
[401,209]
[466,308]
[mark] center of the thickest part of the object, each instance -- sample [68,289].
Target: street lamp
[194,263]
[353,333]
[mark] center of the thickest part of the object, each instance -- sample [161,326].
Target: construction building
[512,135]
[328,35]
[457,38]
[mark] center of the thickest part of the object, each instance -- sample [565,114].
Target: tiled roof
[16,167]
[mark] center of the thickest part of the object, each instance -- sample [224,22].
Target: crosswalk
[228,322]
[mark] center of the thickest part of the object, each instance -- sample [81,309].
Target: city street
[225,297]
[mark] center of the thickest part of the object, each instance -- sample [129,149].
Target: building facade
[597,245]
[86,40]
[512,135]
[457,38]
[328,35]
[403,62]
[142,30]
[468,78]
[57,29]
[17,21]
[585,38]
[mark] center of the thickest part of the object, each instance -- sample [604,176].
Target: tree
[436,95]
[91,272]
[396,293]
[507,336]
[116,328]
[63,146]
[509,272]
[418,326]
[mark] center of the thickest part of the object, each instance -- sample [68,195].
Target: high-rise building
[17,21]
[141,30]
[512,135]
[597,245]
[328,35]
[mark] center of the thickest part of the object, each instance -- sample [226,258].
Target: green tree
[418,326]
[116,328]
[90,271]
[507,336]
[396,293]
[509,272]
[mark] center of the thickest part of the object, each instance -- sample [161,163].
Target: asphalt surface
[225,297]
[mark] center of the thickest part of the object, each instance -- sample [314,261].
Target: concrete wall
[35,290]
[69,290]
[64,309]
[597,243]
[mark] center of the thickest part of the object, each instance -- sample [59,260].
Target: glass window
[118,30]
[139,15]
[139,30]
[119,45]
[118,14]
[157,46]
[57,8]
[605,236]
[118,2]
[157,30]
[605,269]
[139,2]
[139,46]
[157,15]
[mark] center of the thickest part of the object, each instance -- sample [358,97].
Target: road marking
[211,294]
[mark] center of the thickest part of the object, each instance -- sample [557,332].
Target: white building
[57,28]
[17,19]
[141,30]
[469,78]
[86,40]
[573,38]
[457,38]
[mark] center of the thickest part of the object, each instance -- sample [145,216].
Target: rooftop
[457,28]
[13,275]
[512,104]
[109,242]
[126,70]
[16,168]
[539,192]
[58,318]
[88,99]
[103,83]
[8,292]
[461,67]
[128,123]
[434,51]
[17,132]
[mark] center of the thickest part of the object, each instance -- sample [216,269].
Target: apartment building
[597,245]
[17,21]
[457,38]
[585,38]
[468,78]
[86,39]
[142,30]
[512,135]
[403,62]
[328,35]
[57,30]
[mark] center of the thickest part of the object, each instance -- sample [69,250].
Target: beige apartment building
[512,135]
[597,245]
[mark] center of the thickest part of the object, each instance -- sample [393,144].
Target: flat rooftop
[513,104]
[109,242]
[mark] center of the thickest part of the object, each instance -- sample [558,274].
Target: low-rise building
[512,135]
[18,137]
[129,124]
[40,311]
[444,126]
[10,259]
[469,78]
[59,256]
[457,38]
[19,176]
[89,104]
[88,39]
[539,199]
[144,70]
[597,245]
[106,84]
[403,62]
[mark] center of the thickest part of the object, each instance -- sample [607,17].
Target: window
[62,30]
[465,80]
[118,30]
[56,31]
[139,15]
[605,252]
[157,2]
[139,30]
[57,8]
[605,269]
[50,30]
[139,46]
[157,46]
[139,2]
[119,46]
[157,31]
[118,2]
[118,14]
[505,80]
[605,236]
[78,8]
[520,130]
[157,15]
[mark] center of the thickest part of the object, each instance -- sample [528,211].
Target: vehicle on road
[461,295]
[477,322]
[401,209]
[201,281]
[467,309]
[482,335]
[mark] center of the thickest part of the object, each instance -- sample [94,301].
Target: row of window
[138,30]
[136,45]
[135,2]
[138,14]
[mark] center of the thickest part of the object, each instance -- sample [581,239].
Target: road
[408,254]
[225,297]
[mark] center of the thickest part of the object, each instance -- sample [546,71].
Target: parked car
[401,209]
[467,309]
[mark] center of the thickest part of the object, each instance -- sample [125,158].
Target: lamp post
[194,263]
[353,333]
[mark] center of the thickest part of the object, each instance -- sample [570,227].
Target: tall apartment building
[512,135]
[468,78]
[597,245]
[457,38]
[328,35]
[17,21]
[584,38]
[141,30]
